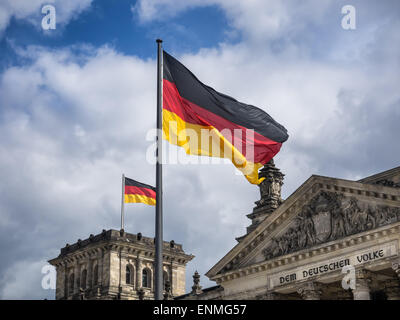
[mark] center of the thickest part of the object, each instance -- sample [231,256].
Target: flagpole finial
[159,40]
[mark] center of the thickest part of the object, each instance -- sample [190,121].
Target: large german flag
[139,192]
[245,134]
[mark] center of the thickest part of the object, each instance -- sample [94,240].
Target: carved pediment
[322,210]
[329,216]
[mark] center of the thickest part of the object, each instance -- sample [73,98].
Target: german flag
[139,192]
[206,122]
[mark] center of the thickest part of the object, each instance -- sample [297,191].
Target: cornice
[123,245]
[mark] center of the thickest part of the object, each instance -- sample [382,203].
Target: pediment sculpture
[330,216]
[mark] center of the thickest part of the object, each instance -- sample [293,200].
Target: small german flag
[243,133]
[137,192]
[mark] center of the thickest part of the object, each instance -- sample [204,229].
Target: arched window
[95,275]
[71,284]
[146,278]
[130,275]
[165,279]
[83,279]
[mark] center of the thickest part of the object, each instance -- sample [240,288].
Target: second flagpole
[158,285]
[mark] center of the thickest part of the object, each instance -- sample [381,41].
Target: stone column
[60,277]
[362,289]
[153,276]
[66,280]
[77,277]
[88,273]
[138,273]
[120,269]
[392,289]
[89,284]
[101,269]
[310,291]
[171,275]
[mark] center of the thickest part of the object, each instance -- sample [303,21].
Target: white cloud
[148,10]
[31,10]
[257,19]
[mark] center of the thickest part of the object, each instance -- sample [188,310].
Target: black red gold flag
[243,133]
[137,192]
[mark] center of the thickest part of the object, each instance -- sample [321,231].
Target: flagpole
[123,202]
[158,284]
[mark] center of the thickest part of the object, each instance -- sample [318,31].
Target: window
[146,278]
[95,275]
[129,279]
[83,279]
[165,280]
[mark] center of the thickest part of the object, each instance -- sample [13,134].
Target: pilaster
[138,272]
[362,291]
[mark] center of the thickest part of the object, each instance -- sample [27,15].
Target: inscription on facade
[332,265]
[316,270]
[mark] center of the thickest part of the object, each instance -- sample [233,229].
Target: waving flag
[139,192]
[206,122]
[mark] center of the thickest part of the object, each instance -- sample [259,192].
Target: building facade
[117,265]
[331,239]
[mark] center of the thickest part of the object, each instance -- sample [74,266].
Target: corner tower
[117,265]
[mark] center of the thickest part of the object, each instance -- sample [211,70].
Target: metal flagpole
[123,201]
[158,290]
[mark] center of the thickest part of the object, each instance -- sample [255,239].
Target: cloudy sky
[77,102]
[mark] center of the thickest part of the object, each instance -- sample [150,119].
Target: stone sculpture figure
[338,223]
[309,228]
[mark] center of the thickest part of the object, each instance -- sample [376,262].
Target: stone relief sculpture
[330,216]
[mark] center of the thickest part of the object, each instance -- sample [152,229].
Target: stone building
[331,239]
[117,265]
